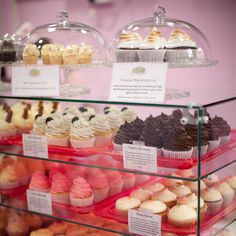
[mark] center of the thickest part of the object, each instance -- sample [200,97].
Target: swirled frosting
[100,124]
[55,127]
[165,196]
[67,118]
[39,182]
[129,40]
[40,124]
[178,140]
[152,206]
[97,180]
[113,177]
[213,131]
[211,195]
[80,188]
[191,201]
[127,114]
[81,129]
[182,213]
[60,183]
[114,120]
[222,125]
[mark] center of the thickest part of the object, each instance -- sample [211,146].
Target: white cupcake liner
[151,55]
[213,145]
[203,150]
[123,55]
[61,198]
[63,141]
[101,140]
[82,143]
[128,183]
[177,154]
[181,55]
[100,194]
[214,207]
[117,147]
[82,202]
[228,198]
[115,188]
[224,140]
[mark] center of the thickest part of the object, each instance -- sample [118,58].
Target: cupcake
[24,122]
[39,125]
[152,48]
[42,232]
[30,54]
[193,185]
[128,114]
[141,194]
[182,216]
[210,180]
[165,196]
[87,113]
[213,200]
[155,207]
[81,134]
[55,54]
[56,132]
[34,221]
[155,187]
[98,182]
[81,194]
[224,129]
[112,109]
[115,182]
[127,47]
[67,119]
[60,188]
[102,130]
[85,54]
[7,128]
[128,180]
[192,131]
[114,120]
[171,182]
[124,204]
[178,144]
[192,201]
[45,53]
[71,55]
[226,191]
[9,178]
[39,182]
[180,190]
[232,182]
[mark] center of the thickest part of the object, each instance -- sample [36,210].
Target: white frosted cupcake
[39,125]
[232,182]
[210,180]
[155,187]
[115,121]
[67,119]
[128,114]
[193,185]
[81,134]
[181,190]
[87,112]
[141,194]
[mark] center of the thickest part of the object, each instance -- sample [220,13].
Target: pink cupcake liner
[103,140]
[203,150]
[64,141]
[213,145]
[151,55]
[224,140]
[214,207]
[175,154]
[82,143]
[128,183]
[60,198]
[82,202]
[115,188]
[100,194]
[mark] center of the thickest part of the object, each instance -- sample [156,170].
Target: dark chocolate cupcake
[178,144]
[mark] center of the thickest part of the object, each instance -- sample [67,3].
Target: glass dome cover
[158,39]
[75,43]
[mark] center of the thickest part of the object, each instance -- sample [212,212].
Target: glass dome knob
[63,18]
[160,14]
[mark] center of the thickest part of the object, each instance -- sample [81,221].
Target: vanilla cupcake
[55,54]
[124,204]
[30,54]
[213,200]
[81,134]
[193,185]
[226,191]
[155,207]
[128,114]
[210,180]
[182,216]
[85,54]
[87,112]
[102,130]
[45,54]
[232,182]
[166,196]
[141,194]
[115,121]
[180,190]
[154,187]
[39,125]
[71,55]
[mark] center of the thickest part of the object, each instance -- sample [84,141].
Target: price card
[42,81]
[35,145]
[139,157]
[138,82]
[143,223]
[39,202]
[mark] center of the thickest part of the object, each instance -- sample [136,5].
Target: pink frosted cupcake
[73,172]
[39,182]
[98,181]
[115,182]
[129,180]
[60,188]
[81,194]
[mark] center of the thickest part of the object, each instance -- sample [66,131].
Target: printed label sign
[39,202]
[138,82]
[139,157]
[42,81]
[35,145]
[143,223]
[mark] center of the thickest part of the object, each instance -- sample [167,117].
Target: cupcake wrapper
[181,224]
[126,55]
[103,140]
[213,145]
[11,185]
[46,59]
[82,143]
[100,194]
[81,202]
[64,141]
[60,198]
[128,183]
[8,133]
[56,60]
[70,60]
[30,60]
[151,55]
[214,207]
[175,154]
[203,150]
[224,140]
[23,130]
[115,188]
[181,55]
[85,59]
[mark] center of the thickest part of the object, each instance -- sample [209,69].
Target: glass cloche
[63,43]
[161,39]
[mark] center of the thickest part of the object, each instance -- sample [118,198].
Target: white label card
[139,157]
[41,81]
[35,145]
[138,82]
[143,223]
[39,202]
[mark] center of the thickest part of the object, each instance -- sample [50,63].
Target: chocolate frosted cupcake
[213,134]
[177,115]
[224,129]
[127,133]
[138,124]
[178,144]
[192,131]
